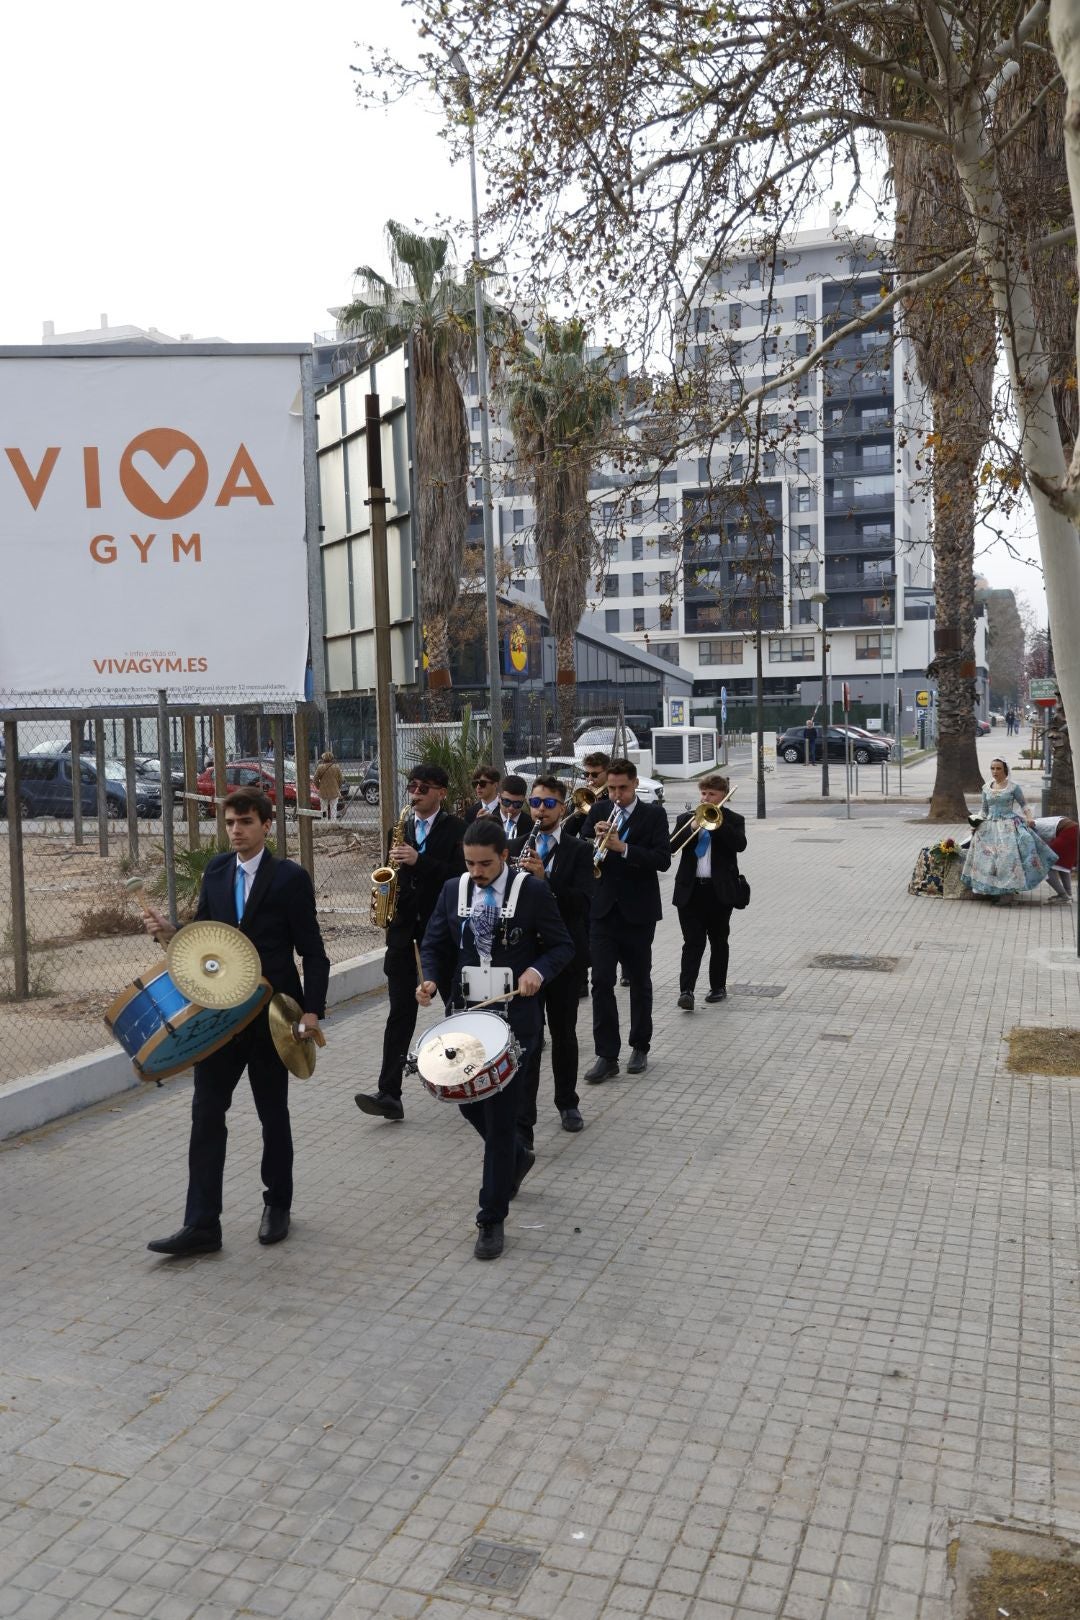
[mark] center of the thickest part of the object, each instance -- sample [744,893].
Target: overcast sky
[207,170]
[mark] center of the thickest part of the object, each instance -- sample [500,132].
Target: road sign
[1046,687]
[922,700]
[847,696]
[723,711]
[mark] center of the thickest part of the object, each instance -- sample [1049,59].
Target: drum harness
[478,982]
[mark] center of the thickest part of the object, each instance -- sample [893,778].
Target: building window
[802,458]
[665,615]
[876,534]
[637,548]
[668,651]
[804,421]
[804,537]
[768,463]
[666,581]
[637,585]
[635,511]
[665,546]
[736,469]
[734,319]
[805,612]
[875,647]
[611,585]
[478,489]
[802,574]
[607,511]
[791,649]
[802,345]
[721,651]
[518,518]
[804,499]
[639,618]
[518,553]
[475,418]
[611,621]
[877,417]
[663,506]
[802,307]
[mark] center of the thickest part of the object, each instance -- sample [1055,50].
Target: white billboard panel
[152,528]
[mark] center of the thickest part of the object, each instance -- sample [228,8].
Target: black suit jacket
[522,829]
[279,919]
[570,879]
[728,841]
[473,811]
[631,882]
[419,885]
[535,938]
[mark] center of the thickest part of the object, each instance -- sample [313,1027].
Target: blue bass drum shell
[164,1033]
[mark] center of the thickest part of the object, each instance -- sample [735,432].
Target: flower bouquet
[945,855]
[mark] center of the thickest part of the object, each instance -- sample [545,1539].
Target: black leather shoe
[379,1103]
[625,981]
[639,1061]
[489,1240]
[525,1163]
[189,1240]
[603,1069]
[716,995]
[572,1120]
[274,1226]
[686,1001]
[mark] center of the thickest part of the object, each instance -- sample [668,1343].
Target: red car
[254,773]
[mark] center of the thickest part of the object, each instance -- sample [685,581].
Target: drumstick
[509,996]
[419,964]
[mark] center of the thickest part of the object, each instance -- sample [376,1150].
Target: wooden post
[221,786]
[20,941]
[303,792]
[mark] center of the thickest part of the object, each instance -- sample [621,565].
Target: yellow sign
[922,700]
[519,647]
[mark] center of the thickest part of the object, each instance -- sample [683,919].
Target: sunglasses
[483,781]
[547,804]
[512,804]
[418,787]
[594,773]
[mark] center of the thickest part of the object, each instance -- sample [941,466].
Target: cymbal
[448,1063]
[213,964]
[297,1052]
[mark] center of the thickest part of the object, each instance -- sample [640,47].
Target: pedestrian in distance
[328,780]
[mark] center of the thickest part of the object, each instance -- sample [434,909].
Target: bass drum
[467,1057]
[163,1031]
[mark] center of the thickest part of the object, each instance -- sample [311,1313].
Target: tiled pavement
[799,1303]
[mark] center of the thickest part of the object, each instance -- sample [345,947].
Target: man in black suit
[535,945]
[429,854]
[595,769]
[516,820]
[486,782]
[625,911]
[273,902]
[706,889]
[565,864]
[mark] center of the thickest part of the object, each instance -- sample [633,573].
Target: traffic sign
[922,700]
[1044,687]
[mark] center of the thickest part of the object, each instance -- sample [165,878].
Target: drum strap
[510,898]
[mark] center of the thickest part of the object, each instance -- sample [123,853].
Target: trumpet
[384,879]
[705,817]
[600,850]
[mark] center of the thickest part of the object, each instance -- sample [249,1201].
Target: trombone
[583,798]
[705,817]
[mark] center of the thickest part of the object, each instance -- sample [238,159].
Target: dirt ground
[74,978]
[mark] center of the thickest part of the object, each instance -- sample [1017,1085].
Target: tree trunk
[437,646]
[1062,797]
[566,689]
[954,606]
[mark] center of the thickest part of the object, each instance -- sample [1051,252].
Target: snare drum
[163,1032]
[467,1058]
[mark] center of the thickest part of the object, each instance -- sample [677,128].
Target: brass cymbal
[213,964]
[448,1063]
[297,1052]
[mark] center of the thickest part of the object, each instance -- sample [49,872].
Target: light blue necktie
[702,846]
[543,844]
[421,835]
[239,891]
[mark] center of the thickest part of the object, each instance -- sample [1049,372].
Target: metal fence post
[277,734]
[221,786]
[191,786]
[102,806]
[305,830]
[129,782]
[165,760]
[20,941]
[76,781]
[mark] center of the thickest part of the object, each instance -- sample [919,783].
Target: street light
[457,62]
[821,598]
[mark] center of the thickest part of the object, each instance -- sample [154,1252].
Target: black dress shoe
[639,1061]
[274,1226]
[686,1001]
[379,1103]
[526,1160]
[489,1240]
[625,981]
[716,995]
[571,1119]
[189,1240]
[602,1069]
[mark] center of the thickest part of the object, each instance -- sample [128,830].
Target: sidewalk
[798,1307]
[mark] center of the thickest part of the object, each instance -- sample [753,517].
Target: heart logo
[157,462]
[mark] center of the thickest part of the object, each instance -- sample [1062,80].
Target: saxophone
[384,879]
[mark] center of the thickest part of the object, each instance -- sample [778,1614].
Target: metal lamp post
[821,598]
[457,61]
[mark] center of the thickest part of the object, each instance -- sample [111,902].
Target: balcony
[856,463]
[853,579]
[838,501]
[711,618]
[852,616]
[844,537]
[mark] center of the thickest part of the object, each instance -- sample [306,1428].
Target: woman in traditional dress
[1005,856]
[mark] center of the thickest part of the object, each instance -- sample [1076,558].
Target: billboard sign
[152,513]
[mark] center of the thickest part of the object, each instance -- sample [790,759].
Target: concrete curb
[82,1082]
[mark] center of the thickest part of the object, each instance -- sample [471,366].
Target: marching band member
[430,853]
[565,864]
[486,782]
[595,767]
[516,820]
[510,921]
[706,889]
[272,901]
[632,849]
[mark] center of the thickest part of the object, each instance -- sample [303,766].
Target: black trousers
[216,1079]
[495,1119]
[399,966]
[704,921]
[559,999]
[612,940]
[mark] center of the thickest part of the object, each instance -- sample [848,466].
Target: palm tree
[560,406]
[423,303]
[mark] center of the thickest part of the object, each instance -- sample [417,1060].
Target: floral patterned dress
[1005,856]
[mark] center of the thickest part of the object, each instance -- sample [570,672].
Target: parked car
[601,739]
[46,788]
[258,774]
[866,749]
[982,727]
[149,768]
[650,791]
[369,783]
